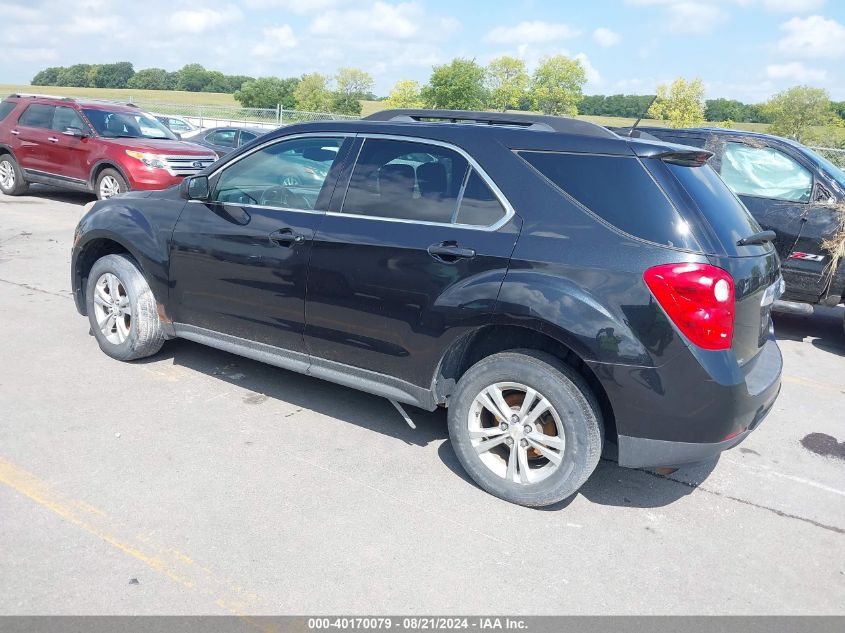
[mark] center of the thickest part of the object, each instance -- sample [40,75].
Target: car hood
[160,146]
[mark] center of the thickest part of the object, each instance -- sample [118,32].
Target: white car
[178,124]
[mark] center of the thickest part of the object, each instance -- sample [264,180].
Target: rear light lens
[699,298]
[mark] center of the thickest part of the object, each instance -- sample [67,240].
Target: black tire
[566,391]
[145,334]
[117,178]
[20,186]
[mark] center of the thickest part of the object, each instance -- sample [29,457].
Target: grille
[187,165]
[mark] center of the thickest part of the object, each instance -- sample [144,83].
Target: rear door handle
[52,139]
[450,251]
[15,132]
[286,237]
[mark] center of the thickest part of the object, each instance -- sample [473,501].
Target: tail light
[699,298]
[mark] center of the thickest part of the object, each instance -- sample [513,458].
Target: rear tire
[12,182]
[109,184]
[532,461]
[122,310]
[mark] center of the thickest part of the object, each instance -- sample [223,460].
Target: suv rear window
[5,108]
[619,190]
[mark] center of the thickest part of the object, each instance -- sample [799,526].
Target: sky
[741,49]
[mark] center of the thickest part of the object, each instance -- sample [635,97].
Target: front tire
[12,182]
[109,184]
[526,427]
[122,310]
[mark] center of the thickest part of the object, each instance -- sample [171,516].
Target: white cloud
[605,37]
[203,20]
[299,7]
[795,71]
[91,25]
[393,22]
[531,32]
[694,17]
[812,37]
[793,6]
[593,75]
[276,40]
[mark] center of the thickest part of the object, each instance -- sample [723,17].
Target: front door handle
[15,132]
[53,139]
[286,237]
[450,251]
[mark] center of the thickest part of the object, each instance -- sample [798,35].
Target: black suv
[554,285]
[789,189]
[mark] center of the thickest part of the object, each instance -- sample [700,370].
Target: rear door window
[224,138]
[479,205]
[246,137]
[619,190]
[37,115]
[406,181]
[765,172]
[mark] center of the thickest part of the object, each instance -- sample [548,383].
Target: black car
[790,190]
[224,139]
[556,286]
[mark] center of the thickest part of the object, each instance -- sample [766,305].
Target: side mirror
[74,131]
[195,188]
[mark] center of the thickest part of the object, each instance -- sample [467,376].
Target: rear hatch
[720,222]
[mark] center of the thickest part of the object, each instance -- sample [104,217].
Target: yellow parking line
[806,382]
[169,562]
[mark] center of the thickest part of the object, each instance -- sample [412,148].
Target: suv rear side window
[5,108]
[37,115]
[406,180]
[619,190]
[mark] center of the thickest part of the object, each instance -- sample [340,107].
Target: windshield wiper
[757,238]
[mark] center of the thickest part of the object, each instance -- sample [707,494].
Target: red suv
[90,145]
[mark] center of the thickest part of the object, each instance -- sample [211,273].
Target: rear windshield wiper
[757,238]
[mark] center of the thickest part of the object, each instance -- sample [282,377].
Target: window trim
[506,205]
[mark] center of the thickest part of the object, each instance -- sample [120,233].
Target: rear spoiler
[671,153]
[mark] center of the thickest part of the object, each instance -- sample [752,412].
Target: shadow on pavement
[824,328]
[46,192]
[609,485]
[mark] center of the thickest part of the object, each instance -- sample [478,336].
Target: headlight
[150,160]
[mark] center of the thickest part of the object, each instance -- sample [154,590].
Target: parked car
[789,189]
[88,145]
[177,124]
[224,139]
[555,286]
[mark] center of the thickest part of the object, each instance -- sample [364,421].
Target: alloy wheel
[7,175]
[516,432]
[109,187]
[112,308]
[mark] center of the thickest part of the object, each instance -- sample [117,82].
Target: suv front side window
[38,116]
[66,117]
[765,172]
[286,175]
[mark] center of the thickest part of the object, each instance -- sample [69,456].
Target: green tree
[312,93]
[794,112]
[75,76]
[149,79]
[725,109]
[506,81]
[236,81]
[351,85]
[405,94]
[681,104]
[112,75]
[216,82]
[458,85]
[557,85]
[193,78]
[47,77]
[268,92]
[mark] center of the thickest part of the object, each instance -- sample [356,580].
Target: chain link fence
[833,154]
[234,116]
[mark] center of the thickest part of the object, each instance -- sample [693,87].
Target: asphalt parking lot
[197,482]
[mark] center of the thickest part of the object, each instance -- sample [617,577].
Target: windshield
[127,125]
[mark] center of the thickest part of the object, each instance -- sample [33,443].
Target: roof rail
[539,122]
[74,99]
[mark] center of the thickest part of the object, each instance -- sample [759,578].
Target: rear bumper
[691,409]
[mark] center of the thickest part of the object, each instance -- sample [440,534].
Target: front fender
[139,226]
